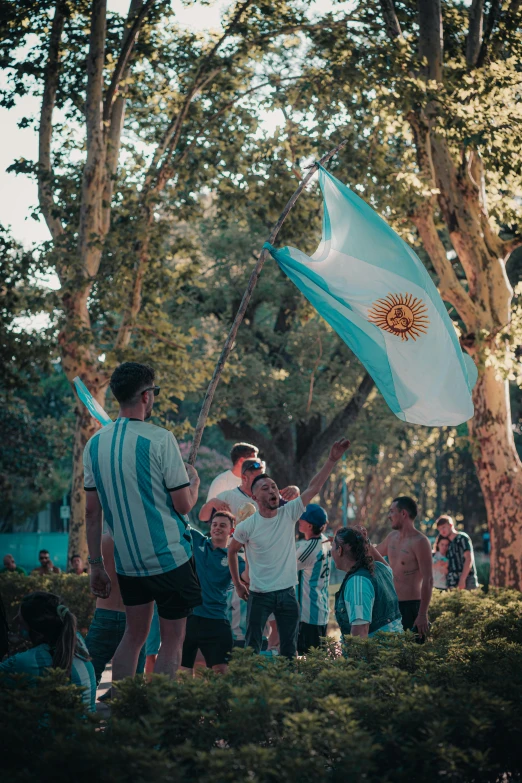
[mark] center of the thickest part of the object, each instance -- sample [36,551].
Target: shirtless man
[409,555]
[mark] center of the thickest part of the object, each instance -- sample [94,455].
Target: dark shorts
[309,636]
[409,611]
[212,637]
[176,592]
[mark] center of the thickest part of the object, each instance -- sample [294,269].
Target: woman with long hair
[367,601]
[51,627]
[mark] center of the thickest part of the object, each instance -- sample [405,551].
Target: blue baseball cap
[315,515]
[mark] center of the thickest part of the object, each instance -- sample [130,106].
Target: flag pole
[229,342]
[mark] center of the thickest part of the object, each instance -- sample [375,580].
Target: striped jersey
[314,559]
[134,466]
[35,661]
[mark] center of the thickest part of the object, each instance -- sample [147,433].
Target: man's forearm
[466,568]
[94,529]
[316,484]
[233,564]
[426,591]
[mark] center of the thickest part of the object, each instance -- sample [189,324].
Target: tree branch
[393,28]
[90,229]
[45,133]
[474,39]
[129,40]
[430,36]
[114,114]
[337,427]
[450,287]
[494,13]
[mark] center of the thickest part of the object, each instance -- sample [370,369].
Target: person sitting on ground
[10,566]
[269,539]
[461,558]
[409,553]
[440,563]
[109,621]
[77,566]
[231,479]
[46,566]
[314,555]
[208,628]
[51,627]
[366,601]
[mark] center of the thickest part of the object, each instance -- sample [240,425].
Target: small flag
[373,290]
[94,407]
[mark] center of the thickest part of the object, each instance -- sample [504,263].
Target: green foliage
[392,711]
[74,590]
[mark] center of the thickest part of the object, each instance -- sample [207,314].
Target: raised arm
[316,484]
[214,504]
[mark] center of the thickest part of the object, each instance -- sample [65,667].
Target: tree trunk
[85,428]
[500,474]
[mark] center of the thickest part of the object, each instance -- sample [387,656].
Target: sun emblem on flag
[400,314]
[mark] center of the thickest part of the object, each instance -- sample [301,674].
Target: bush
[392,711]
[73,589]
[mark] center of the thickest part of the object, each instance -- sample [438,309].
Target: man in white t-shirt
[231,479]
[269,540]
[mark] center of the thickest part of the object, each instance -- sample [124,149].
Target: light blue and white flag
[376,294]
[92,405]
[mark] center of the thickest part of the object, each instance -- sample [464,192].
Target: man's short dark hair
[76,555]
[408,505]
[445,519]
[129,379]
[231,518]
[258,478]
[242,450]
[43,552]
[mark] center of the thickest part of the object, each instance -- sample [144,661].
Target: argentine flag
[375,293]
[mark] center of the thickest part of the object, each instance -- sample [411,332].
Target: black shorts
[212,637]
[176,592]
[309,636]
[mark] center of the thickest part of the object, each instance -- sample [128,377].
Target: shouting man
[269,540]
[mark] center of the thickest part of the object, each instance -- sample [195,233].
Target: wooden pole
[229,342]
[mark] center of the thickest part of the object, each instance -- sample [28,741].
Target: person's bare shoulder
[419,541]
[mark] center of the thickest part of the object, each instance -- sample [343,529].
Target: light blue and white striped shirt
[37,660]
[314,559]
[134,466]
[359,598]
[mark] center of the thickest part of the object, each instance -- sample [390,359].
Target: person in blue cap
[314,557]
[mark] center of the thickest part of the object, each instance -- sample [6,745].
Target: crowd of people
[169,597]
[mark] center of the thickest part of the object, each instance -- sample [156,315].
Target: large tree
[173,99]
[429,97]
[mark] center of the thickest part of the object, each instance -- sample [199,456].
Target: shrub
[391,711]
[73,589]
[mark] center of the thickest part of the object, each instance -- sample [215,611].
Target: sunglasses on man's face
[155,389]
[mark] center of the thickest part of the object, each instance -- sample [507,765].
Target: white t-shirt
[270,547]
[134,466]
[236,499]
[221,483]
